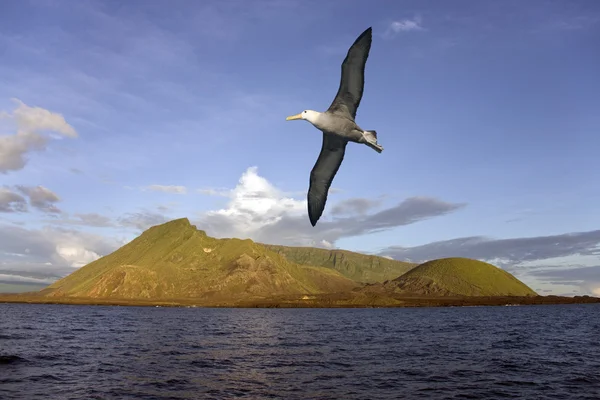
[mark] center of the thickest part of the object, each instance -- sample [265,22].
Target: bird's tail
[371,140]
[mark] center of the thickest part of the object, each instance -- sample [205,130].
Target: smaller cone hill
[456,277]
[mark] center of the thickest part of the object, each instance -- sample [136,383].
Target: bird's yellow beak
[297,116]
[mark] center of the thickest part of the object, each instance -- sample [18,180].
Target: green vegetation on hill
[356,266]
[175,261]
[459,277]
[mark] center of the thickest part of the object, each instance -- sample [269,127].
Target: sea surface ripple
[98,352]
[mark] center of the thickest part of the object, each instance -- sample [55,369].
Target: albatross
[338,126]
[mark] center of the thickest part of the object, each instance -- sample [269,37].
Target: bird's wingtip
[368,32]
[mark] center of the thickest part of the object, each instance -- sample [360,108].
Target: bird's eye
[304,112]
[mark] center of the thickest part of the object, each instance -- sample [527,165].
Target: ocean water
[97,352]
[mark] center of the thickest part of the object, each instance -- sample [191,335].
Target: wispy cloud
[354,206]
[167,189]
[542,256]
[512,251]
[588,278]
[21,279]
[215,192]
[41,198]
[11,201]
[142,220]
[575,23]
[89,219]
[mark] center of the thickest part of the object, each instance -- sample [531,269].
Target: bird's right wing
[322,174]
[352,82]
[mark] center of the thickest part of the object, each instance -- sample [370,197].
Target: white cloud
[30,123]
[326,244]
[167,189]
[595,291]
[33,119]
[259,211]
[76,256]
[78,248]
[51,249]
[254,203]
[404,25]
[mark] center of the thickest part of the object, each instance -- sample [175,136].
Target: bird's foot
[375,146]
[370,139]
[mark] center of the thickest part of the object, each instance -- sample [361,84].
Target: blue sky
[115,116]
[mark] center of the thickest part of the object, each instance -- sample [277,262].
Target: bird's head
[308,115]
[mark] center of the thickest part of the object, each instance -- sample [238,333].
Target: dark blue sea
[97,352]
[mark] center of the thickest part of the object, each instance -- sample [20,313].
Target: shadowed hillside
[456,277]
[175,260]
[356,266]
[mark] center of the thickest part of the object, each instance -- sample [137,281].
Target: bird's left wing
[322,174]
[352,82]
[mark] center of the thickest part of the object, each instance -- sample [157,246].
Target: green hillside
[356,266]
[175,260]
[459,277]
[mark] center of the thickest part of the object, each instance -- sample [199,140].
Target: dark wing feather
[321,176]
[352,82]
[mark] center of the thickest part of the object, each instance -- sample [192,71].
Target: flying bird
[338,126]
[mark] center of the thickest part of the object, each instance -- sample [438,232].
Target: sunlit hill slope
[175,260]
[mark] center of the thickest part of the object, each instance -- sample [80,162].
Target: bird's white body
[341,126]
